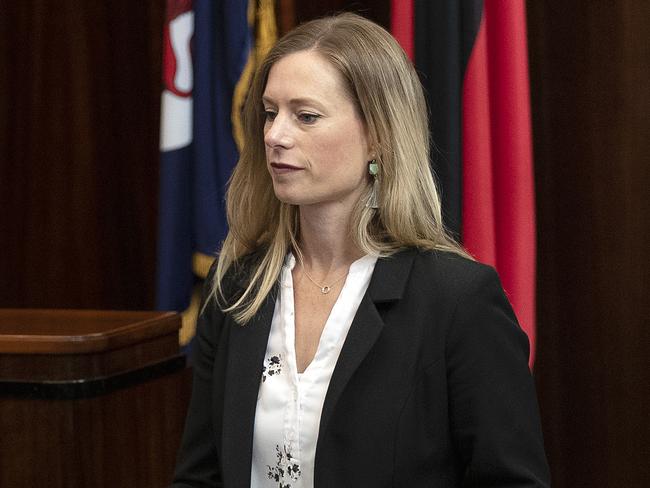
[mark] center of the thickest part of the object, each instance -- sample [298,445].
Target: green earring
[373,199]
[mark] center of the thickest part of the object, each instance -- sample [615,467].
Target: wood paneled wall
[590,64]
[377,10]
[79,90]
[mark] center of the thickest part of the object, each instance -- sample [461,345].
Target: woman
[345,339]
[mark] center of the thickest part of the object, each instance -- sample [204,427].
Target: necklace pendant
[325,290]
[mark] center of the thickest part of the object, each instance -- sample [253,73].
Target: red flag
[401,24]
[498,202]
[472,56]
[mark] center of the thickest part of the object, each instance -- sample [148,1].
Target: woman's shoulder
[449,259]
[233,281]
[240,269]
[468,290]
[447,265]
[448,272]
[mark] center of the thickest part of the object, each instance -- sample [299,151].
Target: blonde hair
[384,85]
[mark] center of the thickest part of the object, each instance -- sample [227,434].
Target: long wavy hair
[388,94]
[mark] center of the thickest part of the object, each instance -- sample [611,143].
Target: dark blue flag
[207,46]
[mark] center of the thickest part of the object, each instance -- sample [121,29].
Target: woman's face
[316,143]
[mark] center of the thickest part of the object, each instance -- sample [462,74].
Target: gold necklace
[324,289]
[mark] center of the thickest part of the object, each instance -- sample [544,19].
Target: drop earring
[373,199]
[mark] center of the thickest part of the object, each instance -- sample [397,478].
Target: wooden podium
[90,398]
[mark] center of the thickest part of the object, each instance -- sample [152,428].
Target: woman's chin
[289,199]
[293,198]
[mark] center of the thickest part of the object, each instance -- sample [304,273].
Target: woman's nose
[277,132]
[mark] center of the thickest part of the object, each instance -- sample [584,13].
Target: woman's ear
[371,153]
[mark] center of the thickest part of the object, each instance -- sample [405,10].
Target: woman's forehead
[305,75]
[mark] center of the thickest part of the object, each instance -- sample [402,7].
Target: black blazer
[431,389]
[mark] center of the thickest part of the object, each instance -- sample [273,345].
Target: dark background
[79,114]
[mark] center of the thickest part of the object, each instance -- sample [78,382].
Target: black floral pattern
[273,366]
[286,470]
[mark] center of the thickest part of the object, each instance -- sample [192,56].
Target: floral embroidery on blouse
[285,469]
[273,366]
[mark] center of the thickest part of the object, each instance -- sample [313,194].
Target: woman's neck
[324,240]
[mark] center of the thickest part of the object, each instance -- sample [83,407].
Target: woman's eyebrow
[294,101]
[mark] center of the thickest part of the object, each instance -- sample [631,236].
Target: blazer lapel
[387,284]
[245,358]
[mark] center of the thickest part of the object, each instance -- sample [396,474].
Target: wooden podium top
[84,350]
[25,331]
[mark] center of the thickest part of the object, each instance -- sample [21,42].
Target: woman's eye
[270,114]
[308,118]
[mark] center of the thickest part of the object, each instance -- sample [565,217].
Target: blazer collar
[390,276]
[387,284]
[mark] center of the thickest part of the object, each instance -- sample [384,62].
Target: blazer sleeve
[197,462]
[494,415]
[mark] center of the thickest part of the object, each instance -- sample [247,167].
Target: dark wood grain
[590,99]
[286,15]
[377,10]
[80,84]
[127,438]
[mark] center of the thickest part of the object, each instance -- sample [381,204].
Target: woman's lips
[282,168]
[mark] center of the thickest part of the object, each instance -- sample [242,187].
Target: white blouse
[289,403]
